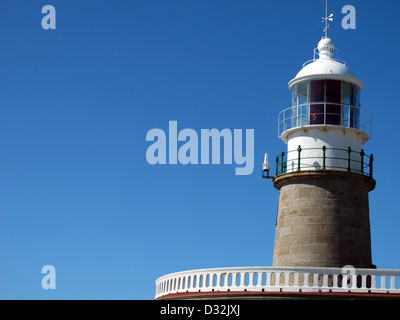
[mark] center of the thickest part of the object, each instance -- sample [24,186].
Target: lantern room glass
[332,102]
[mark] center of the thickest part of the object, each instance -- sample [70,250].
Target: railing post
[371,160]
[362,161]
[282,164]
[348,158]
[298,158]
[323,157]
[277,165]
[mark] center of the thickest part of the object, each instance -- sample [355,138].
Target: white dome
[325,67]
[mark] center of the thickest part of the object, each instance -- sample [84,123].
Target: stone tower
[324,176]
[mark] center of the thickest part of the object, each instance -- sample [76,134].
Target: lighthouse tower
[324,176]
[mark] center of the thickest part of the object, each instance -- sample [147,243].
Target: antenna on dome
[326,19]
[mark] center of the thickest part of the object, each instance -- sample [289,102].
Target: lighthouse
[325,175]
[322,242]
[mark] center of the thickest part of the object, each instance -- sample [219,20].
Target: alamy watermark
[349,273]
[349,20]
[49,280]
[188,152]
[49,20]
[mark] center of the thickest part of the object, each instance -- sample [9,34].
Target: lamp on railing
[265,171]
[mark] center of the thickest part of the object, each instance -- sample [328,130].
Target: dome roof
[325,67]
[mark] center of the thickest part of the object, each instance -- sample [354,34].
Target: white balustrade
[280,279]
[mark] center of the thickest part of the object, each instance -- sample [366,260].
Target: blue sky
[76,103]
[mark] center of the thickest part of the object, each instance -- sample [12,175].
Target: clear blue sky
[76,191]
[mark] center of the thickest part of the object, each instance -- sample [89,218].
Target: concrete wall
[323,219]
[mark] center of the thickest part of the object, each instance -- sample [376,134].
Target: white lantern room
[325,127]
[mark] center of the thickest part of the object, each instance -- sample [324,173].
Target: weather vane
[326,19]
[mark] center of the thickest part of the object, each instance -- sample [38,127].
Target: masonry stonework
[323,219]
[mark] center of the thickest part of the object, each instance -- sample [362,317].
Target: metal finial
[326,19]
